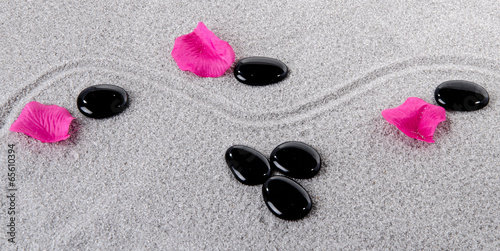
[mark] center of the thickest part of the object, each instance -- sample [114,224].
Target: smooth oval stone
[102,101]
[296,159]
[260,71]
[461,95]
[286,198]
[249,166]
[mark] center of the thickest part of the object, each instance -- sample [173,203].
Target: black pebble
[102,101]
[286,198]
[461,95]
[296,159]
[260,71]
[249,166]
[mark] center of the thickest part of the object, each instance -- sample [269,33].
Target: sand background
[154,177]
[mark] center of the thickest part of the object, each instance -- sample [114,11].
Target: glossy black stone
[249,166]
[461,95]
[286,198]
[102,101]
[260,71]
[296,159]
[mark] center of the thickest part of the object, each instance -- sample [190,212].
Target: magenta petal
[416,118]
[47,123]
[203,53]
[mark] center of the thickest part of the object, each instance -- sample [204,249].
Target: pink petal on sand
[203,53]
[416,118]
[47,123]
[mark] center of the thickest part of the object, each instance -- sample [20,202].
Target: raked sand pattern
[154,177]
[236,109]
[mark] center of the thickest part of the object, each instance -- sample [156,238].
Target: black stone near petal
[260,71]
[461,95]
[286,198]
[296,159]
[249,166]
[102,101]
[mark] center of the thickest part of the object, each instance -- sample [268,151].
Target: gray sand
[154,177]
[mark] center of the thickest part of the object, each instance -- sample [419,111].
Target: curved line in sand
[217,102]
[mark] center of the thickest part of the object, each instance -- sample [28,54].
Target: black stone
[102,101]
[461,95]
[286,198]
[249,166]
[296,159]
[260,71]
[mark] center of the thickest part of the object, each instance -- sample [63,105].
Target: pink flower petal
[47,123]
[416,118]
[203,53]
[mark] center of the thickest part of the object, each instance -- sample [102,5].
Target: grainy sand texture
[154,177]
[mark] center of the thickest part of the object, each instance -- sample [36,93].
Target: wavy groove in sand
[237,112]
